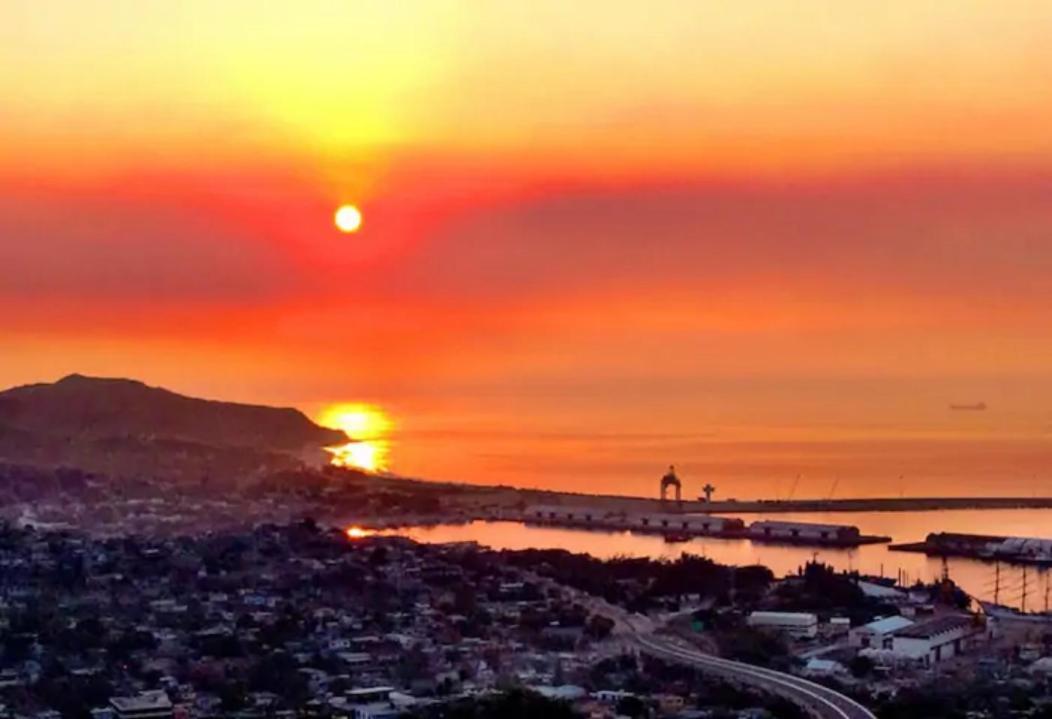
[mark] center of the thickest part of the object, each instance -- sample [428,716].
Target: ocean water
[976,577]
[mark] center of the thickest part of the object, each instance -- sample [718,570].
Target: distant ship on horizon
[975,407]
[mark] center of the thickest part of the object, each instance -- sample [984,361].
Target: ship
[674,538]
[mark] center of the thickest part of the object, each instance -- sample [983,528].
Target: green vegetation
[513,704]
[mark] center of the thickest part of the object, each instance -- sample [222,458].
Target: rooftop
[890,624]
[143,701]
[935,627]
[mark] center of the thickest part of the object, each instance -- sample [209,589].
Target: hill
[122,427]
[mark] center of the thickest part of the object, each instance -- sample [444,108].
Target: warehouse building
[878,634]
[937,639]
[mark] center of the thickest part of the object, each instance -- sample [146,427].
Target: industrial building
[878,634]
[774,530]
[663,522]
[799,625]
[935,640]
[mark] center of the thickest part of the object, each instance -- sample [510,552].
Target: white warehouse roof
[887,625]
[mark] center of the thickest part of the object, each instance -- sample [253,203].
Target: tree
[861,666]
[599,627]
[633,707]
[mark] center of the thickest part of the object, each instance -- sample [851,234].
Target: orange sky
[774,221]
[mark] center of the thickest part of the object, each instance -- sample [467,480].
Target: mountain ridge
[85,421]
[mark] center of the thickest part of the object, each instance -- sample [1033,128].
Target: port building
[775,530]
[655,522]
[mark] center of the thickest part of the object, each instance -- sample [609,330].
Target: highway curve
[820,701]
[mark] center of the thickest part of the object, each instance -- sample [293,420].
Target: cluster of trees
[822,590]
[960,701]
[639,583]
[513,704]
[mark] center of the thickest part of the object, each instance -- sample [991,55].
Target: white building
[144,705]
[878,634]
[935,640]
[794,624]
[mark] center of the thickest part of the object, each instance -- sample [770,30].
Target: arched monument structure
[671,480]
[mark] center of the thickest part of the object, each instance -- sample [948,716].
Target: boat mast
[1024,589]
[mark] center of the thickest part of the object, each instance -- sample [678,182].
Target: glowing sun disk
[348,218]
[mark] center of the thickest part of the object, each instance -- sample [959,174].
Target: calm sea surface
[978,578]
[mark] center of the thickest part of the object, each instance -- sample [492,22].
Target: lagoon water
[976,577]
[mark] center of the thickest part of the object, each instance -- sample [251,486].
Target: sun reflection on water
[369,428]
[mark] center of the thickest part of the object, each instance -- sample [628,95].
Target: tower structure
[671,480]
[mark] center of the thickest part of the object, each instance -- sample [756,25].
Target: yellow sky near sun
[654,87]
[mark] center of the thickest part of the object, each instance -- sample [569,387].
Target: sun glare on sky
[348,218]
[356,532]
[368,427]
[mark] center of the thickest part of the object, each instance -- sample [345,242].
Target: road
[818,700]
[821,702]
[641,632]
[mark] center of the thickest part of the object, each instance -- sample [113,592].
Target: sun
[348,218]
[359,420]
[368,427]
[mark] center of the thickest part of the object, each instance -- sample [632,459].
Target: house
[878,634]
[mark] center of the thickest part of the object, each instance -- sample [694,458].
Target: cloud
[98,248]
[925,237]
